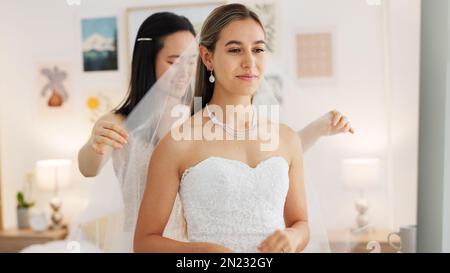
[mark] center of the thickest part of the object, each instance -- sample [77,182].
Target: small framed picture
[54,85]
[315,56]
[99,44]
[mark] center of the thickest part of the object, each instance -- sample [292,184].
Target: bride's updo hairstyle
[209,35]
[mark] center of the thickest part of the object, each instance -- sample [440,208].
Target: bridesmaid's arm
[157,203]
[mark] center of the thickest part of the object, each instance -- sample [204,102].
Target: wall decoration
[99,44]
[98,105]
[315,55]
[54,91]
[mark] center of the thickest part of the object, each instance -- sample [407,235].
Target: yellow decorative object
[92,103]
[98,104]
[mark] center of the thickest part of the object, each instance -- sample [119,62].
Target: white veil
[111,215]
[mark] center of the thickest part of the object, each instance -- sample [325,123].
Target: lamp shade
[360,173]
[53,174]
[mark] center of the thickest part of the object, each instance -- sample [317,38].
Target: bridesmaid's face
[174,46]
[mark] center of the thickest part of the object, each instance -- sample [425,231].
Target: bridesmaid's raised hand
[338,123]
[106,133]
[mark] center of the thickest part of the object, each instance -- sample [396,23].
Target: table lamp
[53,175]
[361,174]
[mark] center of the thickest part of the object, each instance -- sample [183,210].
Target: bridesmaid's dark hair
[143,72]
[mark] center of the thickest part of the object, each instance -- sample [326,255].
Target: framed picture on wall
[54,84]
[99,44]
[316,56]
[196,13]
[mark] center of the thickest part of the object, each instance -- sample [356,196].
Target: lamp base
[57,217]
[362,230]
[362,219]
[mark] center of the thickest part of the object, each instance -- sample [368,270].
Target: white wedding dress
[227,202]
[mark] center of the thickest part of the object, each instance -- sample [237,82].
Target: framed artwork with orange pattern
[316,60]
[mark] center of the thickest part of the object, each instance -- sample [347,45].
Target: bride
[143,122]
[236,196]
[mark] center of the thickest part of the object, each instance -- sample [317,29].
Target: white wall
[33,32]
[405,49]
[378,92]
[357,92]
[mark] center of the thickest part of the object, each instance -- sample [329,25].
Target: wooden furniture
[16,240]
[1,202]
[370,241]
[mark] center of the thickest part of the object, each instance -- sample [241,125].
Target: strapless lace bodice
[230,203]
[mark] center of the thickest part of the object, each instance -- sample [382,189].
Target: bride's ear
[206,56]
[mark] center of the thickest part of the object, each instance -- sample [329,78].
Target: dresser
[364,242]
[15,240]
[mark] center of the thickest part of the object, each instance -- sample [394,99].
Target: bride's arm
[296,235]
[157,203]
[295,210]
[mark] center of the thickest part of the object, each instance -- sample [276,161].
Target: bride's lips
[247,77]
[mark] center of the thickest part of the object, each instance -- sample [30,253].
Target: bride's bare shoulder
[183,130]
[177,141]
[290,140]
[170,145]
[286,133]
[167,157]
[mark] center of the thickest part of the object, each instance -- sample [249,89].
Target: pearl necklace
[229,130]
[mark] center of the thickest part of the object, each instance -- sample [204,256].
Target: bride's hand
[335,122]
[216,248]
[279,241]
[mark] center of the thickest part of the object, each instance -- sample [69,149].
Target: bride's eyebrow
[233,42]
[259,42]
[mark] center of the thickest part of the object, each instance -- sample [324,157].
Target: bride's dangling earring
[212,79]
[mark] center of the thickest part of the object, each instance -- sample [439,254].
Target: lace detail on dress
[230,203]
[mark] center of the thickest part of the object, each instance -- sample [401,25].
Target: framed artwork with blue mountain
[99,44]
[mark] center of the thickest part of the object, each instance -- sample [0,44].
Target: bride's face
[239,57]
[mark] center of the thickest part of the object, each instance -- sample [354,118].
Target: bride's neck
[222,98]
